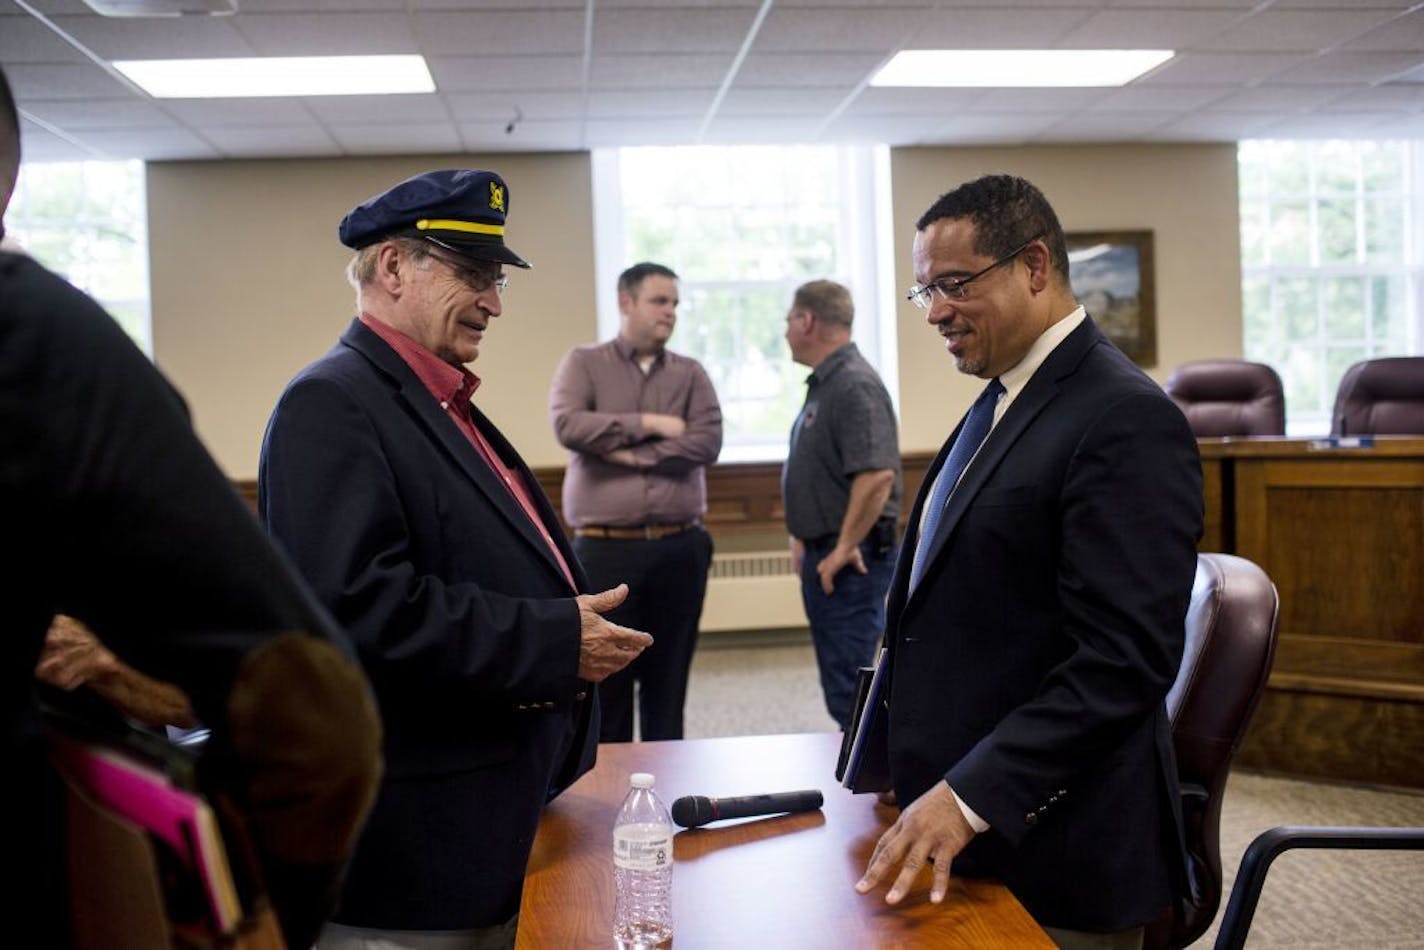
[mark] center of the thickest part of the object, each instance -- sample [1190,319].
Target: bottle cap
[641,780]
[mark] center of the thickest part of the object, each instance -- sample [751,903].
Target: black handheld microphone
[694,811]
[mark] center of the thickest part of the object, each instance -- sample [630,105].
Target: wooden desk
[1341,533]
[785,882]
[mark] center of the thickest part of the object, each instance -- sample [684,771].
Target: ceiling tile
[501,105]
[747,100]
[273,141]
[1106,126]
[99,113]
[1035,100]
[1332,126]
[151,144]
[113,38]
[389,138]
[41,145]
[361,110]
[527,136]
[669,71]
[501,32]
[806,69]
[1218,127]
[26,40]
[1002,27]
[77,81]
[1138,98]
[489,73]
[1277,100]
[351,34]
[617,104]
[670,31]
[759,130]
[220,113]
[927,103]
[1296,30]
[602,133]
[798,29]
[1213,69]
[1351,67]
[1402,97]
[1401,34]
[1149,29]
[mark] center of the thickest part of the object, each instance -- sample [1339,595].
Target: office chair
[1381,397]
[1230,640]
[1269,845]
[1229,397]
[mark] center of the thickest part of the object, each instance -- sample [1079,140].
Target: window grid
[1363,303]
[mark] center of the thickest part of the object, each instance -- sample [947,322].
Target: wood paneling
[1339,531]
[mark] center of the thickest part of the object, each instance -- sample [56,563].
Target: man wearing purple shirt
[641,425]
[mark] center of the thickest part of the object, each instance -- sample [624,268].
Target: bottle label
[638,850]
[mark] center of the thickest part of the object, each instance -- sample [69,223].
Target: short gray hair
[828,300]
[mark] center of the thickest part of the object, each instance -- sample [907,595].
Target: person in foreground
[423,531]
[116,516]
[1035,622]
[641,424]
[841,489]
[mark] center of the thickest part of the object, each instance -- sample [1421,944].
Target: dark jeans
[667,580]
[846,626]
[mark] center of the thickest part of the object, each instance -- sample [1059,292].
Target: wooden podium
[785,882]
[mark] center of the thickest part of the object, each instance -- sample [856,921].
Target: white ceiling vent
[154,8]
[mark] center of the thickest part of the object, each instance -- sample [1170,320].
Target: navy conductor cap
[460,209]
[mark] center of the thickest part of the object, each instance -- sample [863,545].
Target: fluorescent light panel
[1018,67]
[261,76]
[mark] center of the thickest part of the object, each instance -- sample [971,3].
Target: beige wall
[248,285]
[1186,194]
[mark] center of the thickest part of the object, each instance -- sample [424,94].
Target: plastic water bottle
[642,869]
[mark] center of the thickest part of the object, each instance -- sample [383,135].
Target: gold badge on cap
[496,196]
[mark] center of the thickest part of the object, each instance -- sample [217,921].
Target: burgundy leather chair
[1229,397]
[1381,397]
[1231,639]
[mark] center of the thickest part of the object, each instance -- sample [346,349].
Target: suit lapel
[1040,390]
[438,425]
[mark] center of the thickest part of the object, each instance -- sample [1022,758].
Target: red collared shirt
[453,387]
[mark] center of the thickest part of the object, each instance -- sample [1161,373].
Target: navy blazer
[1030,665]
[461,615]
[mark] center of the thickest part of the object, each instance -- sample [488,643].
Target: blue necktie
[976,426]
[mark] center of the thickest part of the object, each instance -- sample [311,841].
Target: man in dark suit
[116,515]
[422,530]
[1035,623]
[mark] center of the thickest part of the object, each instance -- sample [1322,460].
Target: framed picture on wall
[1113,277]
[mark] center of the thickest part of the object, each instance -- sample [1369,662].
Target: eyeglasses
[952,288]
[479,276]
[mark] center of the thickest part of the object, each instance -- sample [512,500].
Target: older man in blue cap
[423,532]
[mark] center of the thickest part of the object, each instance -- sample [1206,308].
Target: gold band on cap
[426,224]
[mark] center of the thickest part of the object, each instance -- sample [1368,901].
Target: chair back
[1229,397]
[1230,641]
[1381,397]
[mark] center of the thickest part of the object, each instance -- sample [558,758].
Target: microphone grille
[689,811]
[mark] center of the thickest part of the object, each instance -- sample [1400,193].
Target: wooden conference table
[785,882]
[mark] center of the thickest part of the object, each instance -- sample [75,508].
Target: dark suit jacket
[115,514]
[461,615]
[1031,663]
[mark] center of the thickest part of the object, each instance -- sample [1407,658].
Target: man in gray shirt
[641,424]
[841,489]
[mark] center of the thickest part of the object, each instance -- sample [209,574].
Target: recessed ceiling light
[1018,67]
[279,76]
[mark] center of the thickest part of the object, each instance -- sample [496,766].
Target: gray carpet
[748,685]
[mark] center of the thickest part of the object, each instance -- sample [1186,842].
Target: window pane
[1253,232]
[1336,221]
[1340,358]
[1344,308]
[1300,374]
[1290,232]
[1256,310]
[1296,304]
[1251,169]
[1382,165]
[1389,318]
[1288,166]
[1336,168]
[1384,230]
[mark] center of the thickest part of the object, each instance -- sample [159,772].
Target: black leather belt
[647,532]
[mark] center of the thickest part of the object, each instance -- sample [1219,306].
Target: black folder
[864,761]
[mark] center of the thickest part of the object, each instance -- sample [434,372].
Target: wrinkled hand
[606,647]
[932,827]
[663,426]
[72,655]
[836,561]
